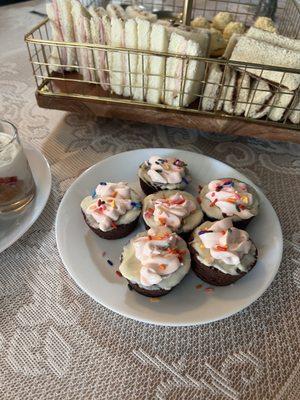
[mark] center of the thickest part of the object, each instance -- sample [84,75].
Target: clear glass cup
[17,187]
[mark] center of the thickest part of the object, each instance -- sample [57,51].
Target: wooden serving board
[68,97]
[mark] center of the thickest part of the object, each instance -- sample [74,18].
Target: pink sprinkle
[104,254]
[209,290]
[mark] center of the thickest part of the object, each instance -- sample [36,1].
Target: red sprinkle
[221,248]
[118,273]
[209,290]
[213,203]
[11,179]
[114,225]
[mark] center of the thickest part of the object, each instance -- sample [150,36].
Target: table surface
[57,343]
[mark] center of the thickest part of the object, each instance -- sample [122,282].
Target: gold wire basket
[57,81]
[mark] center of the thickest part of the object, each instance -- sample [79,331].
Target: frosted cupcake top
[223,246]
[229,198]
[112,204]
[176,210]
[168,172]
[157,258]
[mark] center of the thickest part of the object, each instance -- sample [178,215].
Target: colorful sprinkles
[136,204]
[154,299]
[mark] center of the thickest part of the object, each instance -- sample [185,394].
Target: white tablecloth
[57,343]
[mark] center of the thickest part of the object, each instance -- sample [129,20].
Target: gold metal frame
[58,83]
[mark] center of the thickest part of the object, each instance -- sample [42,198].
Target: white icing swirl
[231,197]
[158,255]
[166,170]
[225,242]
[111,202]
[171,211]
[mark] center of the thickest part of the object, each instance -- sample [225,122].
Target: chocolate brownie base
[148,293]
[147,188]
[212,275]
[117,233]
[242,224]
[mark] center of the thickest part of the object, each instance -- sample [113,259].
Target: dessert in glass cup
[17,187]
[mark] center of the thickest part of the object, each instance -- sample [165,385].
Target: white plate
[81,250]
[14,226]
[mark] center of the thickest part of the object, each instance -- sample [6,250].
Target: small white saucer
[12,227]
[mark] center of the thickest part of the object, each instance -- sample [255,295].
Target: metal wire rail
[61,79]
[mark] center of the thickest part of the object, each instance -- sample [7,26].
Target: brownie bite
[221,254]
[229,197]
[113,211]
[155,261]
[159,173]
[177,210]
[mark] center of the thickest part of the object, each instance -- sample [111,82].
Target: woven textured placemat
[56,343]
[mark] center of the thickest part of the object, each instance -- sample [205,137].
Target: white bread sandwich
[115,11]
[117,65]
[159,41]
[98,37]
[141,82]
[138,12]
[131,59]
[242,92]
[250,50]
[226,86]
[184,77]
[59,13]
[237,89]
[260,100]
[58,56]
[295,114]
[231,82]
[107,31]
[282,100]
[274,38]
[212,87]
[82,30]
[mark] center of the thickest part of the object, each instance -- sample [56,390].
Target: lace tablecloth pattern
[57,343]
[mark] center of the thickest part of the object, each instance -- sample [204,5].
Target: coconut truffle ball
[217,43]
[233,27]
[221,20]
[200,22]
[265,23]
